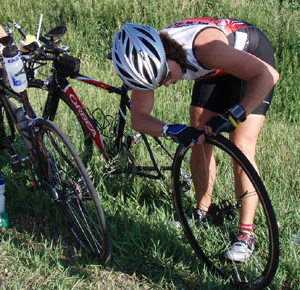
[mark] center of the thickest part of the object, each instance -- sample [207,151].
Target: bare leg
[245,138]
[202,165]
[202,161]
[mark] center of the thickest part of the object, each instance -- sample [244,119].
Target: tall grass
[35,252]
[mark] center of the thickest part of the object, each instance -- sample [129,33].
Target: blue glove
[182,134]
[221,124]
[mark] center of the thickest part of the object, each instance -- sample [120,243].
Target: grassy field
[37,253]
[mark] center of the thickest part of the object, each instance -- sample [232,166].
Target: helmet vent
[154,68]
[123,72]
[143,31]
[137,85]
[123,36]
[117,57]
[150,47]
[146,75]
[135,59]
[127,48]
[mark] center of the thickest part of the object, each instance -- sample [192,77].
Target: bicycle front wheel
[212,237]
[55,107]
[72,189]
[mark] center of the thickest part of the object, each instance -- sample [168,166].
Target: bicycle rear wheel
[211,238]
[72,190]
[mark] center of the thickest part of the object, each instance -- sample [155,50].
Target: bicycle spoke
[84,220]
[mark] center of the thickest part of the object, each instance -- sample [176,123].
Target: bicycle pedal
[186,182]
[16,163]
[137,138]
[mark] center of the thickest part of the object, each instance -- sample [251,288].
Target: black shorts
[219,94]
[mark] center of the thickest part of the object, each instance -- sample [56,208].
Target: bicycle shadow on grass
[157,254]
[145,242]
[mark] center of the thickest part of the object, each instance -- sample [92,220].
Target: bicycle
[222,219]
[97,128]
[54,166]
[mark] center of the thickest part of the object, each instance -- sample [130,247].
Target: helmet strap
[184,66]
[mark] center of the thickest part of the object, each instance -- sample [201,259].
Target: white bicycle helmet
[138,56]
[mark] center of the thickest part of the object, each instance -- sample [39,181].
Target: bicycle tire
[72,189]
[211,239]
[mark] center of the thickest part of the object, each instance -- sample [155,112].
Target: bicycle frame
[125,104]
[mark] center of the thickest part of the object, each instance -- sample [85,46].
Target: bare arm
[2,32]
[141,119]
[212,50]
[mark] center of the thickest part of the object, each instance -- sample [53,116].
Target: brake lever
[31,47]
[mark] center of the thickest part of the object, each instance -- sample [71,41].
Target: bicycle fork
[25,127]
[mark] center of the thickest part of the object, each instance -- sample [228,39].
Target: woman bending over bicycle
[232,63]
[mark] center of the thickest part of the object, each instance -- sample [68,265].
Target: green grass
[36,252]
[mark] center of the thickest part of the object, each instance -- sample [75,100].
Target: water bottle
[2,197]
[14,68]
[3,214]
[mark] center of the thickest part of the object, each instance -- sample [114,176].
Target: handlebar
[8,31]
[43,49]
[18,26]
[49,41]
[38,55]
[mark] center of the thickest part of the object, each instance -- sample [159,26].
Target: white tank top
[185,32]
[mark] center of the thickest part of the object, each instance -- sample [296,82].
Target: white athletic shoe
[242,248]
